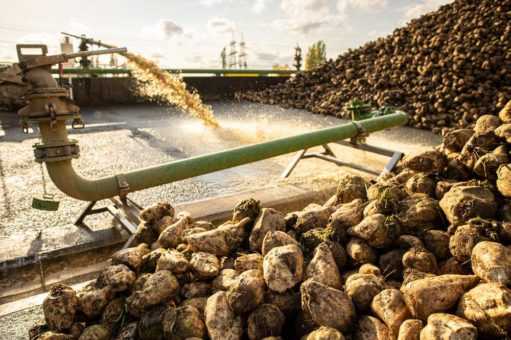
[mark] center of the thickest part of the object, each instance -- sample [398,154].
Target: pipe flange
[46,118]
[47,92]
[53,152]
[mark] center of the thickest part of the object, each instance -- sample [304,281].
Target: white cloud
[258,6]
[211,3]
[373,33]
[77,27]
[51,40]
[170,28]
[204,61]
[7,53]
[366,5]
[378,33]
[165,29]
[308,16]
[220,25]
[259,56]
[157,55]
[271,58]
[414,11]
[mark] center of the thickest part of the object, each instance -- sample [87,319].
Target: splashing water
[157,84]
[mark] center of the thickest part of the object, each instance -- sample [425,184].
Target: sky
[192,33]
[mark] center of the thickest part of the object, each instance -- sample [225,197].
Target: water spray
[159,85]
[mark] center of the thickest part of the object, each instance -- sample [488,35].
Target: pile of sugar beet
[424,253]
[447,68]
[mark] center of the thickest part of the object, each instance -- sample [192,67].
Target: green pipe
[72,184]
[83,71]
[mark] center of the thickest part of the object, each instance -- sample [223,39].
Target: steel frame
[328,155]
[125,211]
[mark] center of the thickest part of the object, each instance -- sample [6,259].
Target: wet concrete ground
[120,139]
[15,326]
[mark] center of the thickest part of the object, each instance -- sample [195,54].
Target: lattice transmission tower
[242,56]
[232,53]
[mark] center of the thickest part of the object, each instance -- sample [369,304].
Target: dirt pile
[422,253]
[446,69]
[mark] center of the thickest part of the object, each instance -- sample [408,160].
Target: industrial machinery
[361,110]
[50,108]
[298,58]
[224,71]
[84,47]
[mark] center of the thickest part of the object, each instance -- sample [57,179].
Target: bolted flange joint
[51,105]
[53,152]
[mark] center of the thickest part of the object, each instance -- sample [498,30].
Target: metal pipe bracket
[361,136]
[124,187]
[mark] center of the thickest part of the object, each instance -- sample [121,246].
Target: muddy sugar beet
[446,69]
[385,260]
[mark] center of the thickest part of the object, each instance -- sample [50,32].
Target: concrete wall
[108,91]
[111,91]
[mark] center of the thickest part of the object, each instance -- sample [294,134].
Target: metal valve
[361,110]
[49,105]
